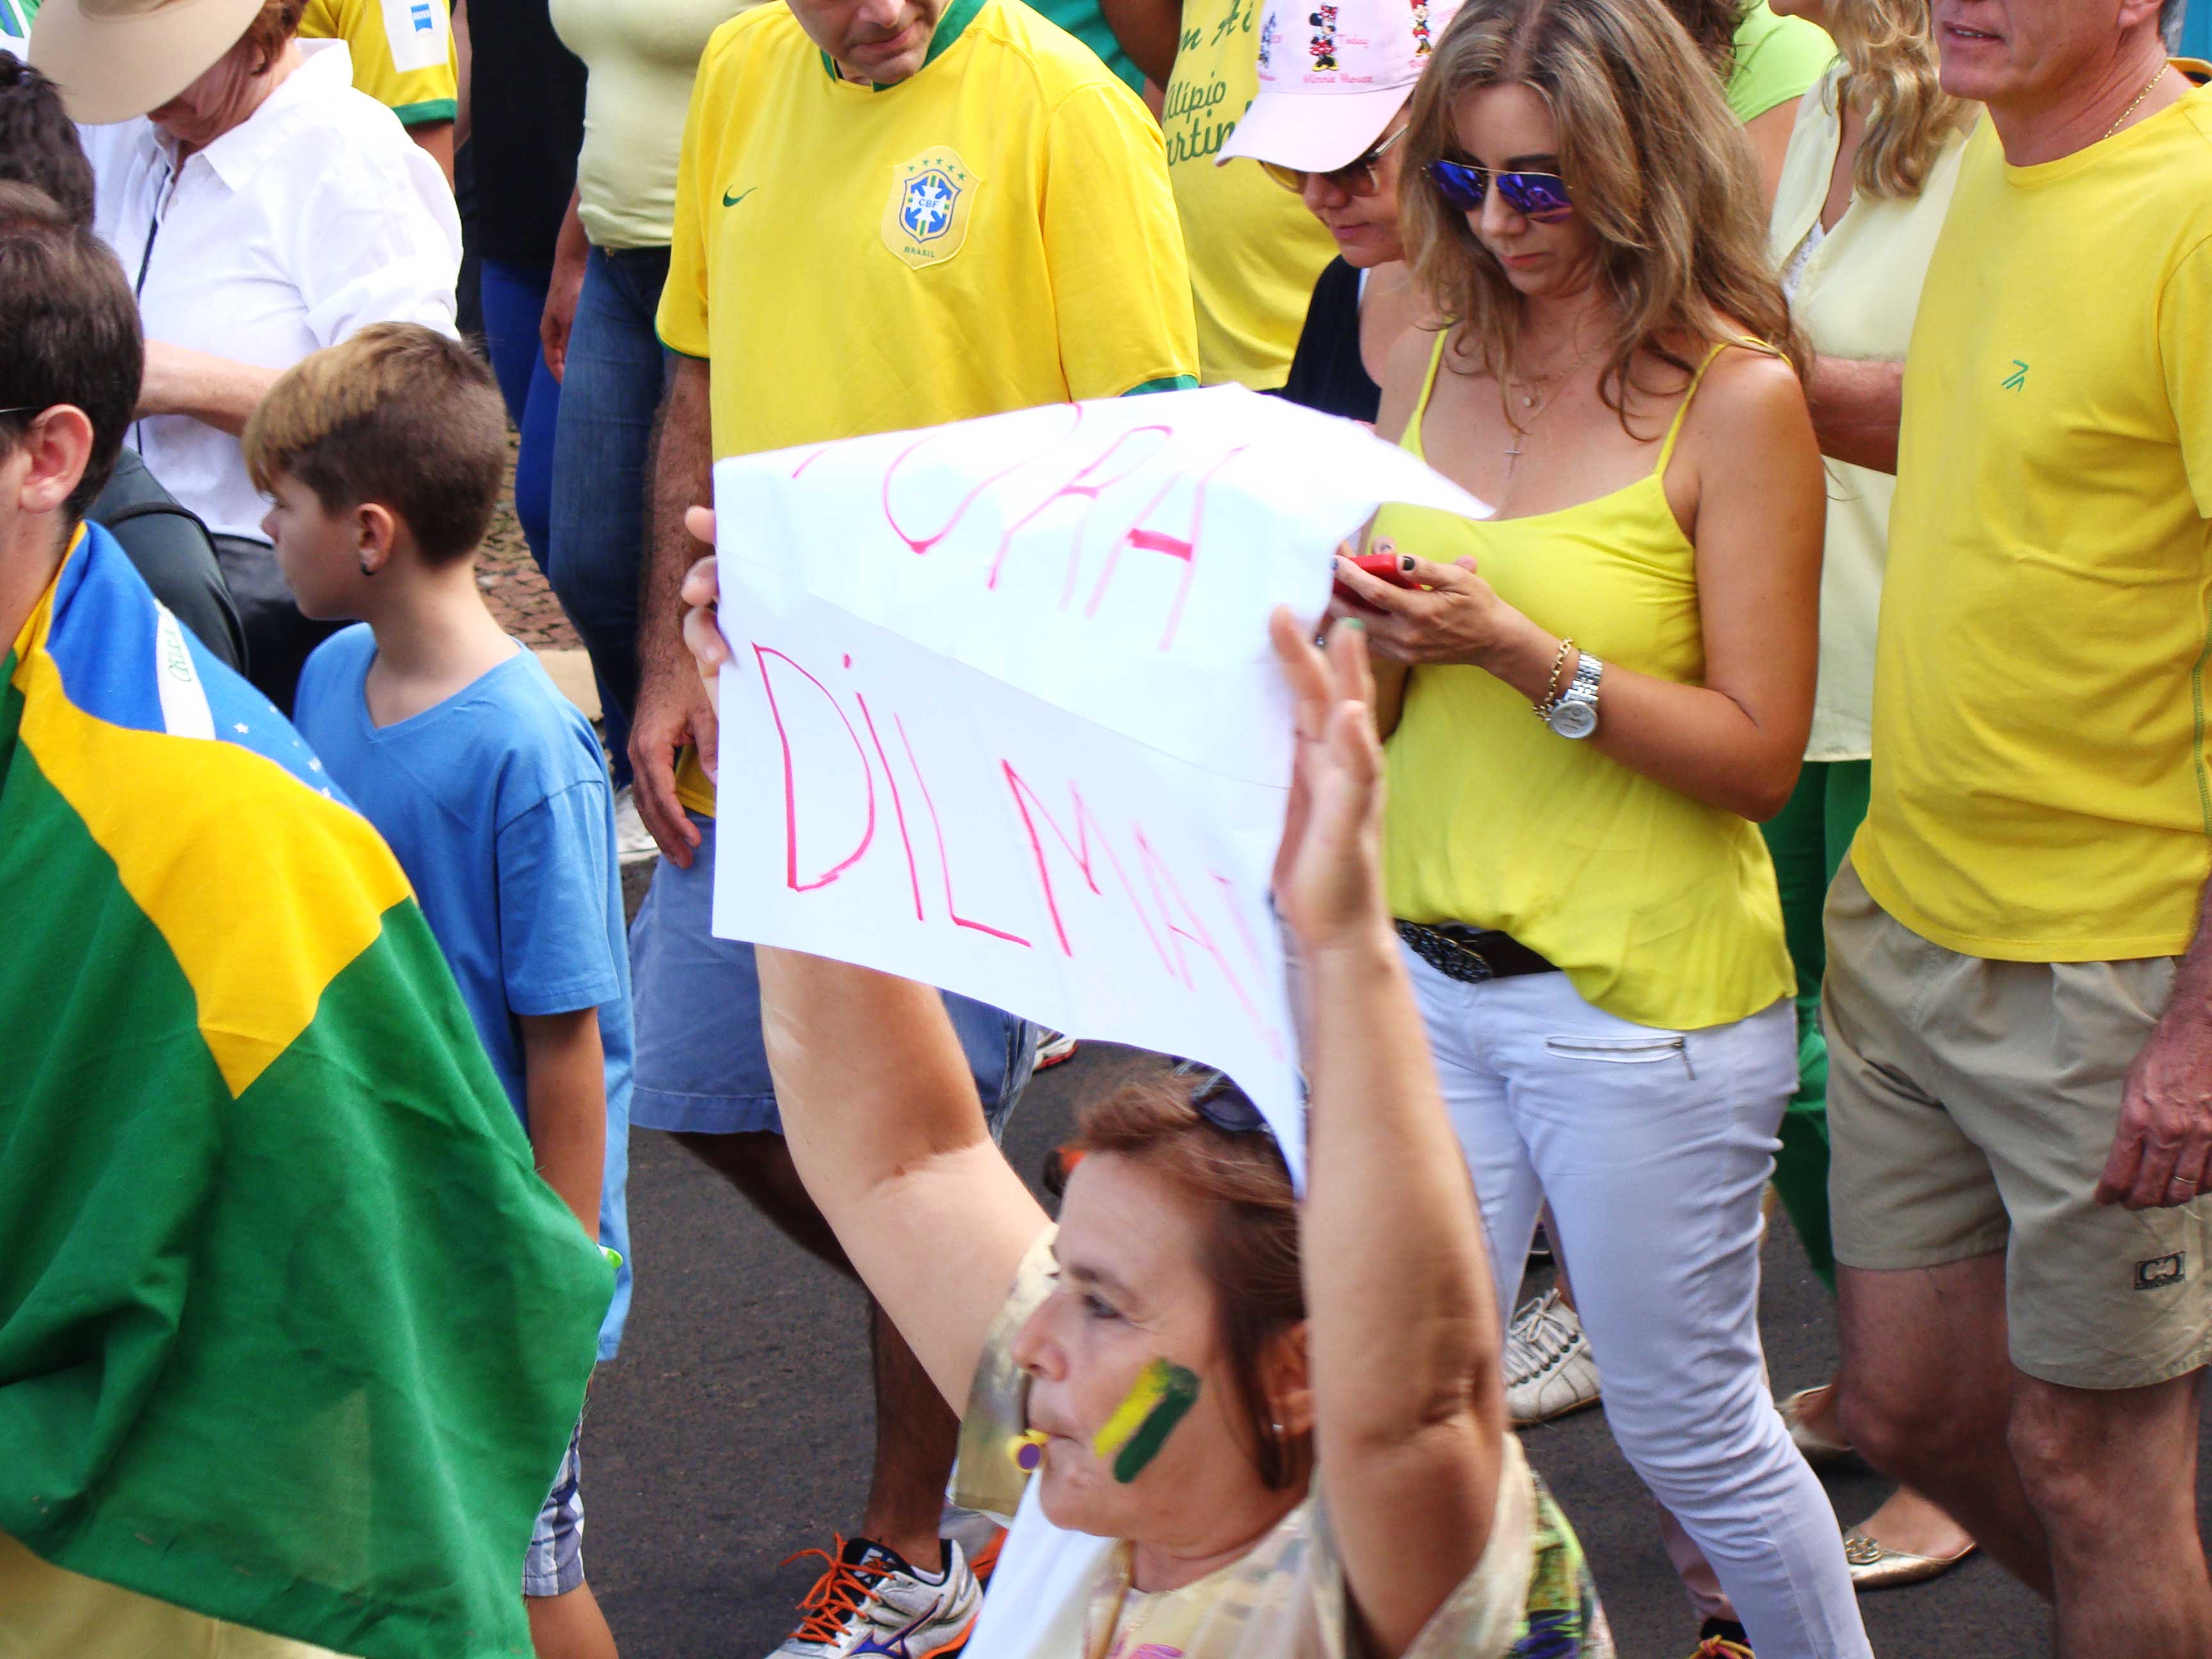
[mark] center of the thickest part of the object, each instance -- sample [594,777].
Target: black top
[1327,373]
[170,548]
[526,116]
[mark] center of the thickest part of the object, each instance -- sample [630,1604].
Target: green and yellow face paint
[1163,1395]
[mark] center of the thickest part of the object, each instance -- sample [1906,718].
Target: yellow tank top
[1661,909]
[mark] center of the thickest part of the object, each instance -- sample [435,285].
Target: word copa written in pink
[969,806]
[1122,490]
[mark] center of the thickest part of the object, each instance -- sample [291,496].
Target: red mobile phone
[1383,567]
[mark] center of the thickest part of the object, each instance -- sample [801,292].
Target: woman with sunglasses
[1864,186]
[1258,1429]
[1589,912]
[1330,123]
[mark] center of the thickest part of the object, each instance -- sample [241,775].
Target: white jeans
[1653,1148]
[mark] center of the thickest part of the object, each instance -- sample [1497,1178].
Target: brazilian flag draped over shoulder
[291,1334]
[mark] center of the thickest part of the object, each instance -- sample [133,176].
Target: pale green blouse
[1856,297]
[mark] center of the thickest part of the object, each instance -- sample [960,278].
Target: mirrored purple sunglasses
[1538,196]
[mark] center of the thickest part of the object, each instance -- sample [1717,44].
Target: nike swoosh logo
[729,200]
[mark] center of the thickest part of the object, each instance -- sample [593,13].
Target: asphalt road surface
[735,1429]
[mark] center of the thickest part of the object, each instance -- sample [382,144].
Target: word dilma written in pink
[863,800]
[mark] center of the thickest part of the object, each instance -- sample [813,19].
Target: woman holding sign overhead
[1595,695]
[1227,1425]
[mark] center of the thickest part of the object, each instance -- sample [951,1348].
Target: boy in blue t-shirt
[384,454]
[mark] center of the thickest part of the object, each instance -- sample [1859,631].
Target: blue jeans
[513,301]
[615,372]
[701,1067]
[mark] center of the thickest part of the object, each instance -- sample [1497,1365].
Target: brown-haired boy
[384,455]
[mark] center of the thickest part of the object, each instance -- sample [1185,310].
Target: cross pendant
[1513,455]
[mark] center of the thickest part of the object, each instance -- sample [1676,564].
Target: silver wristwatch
[1573,713]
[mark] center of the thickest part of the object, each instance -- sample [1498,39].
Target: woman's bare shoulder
[1404,373]
[1748,386]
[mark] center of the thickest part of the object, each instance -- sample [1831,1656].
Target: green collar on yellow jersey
[951,24]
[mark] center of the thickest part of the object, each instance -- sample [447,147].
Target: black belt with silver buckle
[1471,955]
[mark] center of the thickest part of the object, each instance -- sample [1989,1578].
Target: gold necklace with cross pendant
[1535,384]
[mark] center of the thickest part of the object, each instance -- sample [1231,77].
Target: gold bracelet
[1551,685]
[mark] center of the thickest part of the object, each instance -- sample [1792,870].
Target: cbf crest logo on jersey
[926,219]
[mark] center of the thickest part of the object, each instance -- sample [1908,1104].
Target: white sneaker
[1548,1369]
[1053,1046]
[869,1600]
[633,841]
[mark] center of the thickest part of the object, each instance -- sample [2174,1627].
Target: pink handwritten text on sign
[1049,852]
[1002,715]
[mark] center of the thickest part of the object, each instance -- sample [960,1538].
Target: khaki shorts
[1971,1108]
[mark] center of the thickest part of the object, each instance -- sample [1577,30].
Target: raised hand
[1328,869]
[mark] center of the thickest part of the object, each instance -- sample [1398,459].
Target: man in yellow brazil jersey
[2019,992]
[888,214]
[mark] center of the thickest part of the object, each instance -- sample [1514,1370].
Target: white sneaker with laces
[1549,1372]
[870,1600]
[633,841]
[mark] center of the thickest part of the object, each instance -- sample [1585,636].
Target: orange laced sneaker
[870,1600]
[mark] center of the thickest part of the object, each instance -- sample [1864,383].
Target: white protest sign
[1001,713]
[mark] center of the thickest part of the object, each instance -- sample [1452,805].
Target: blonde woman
[1864,189]
[1589,914]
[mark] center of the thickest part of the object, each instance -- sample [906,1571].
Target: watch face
[1574,719]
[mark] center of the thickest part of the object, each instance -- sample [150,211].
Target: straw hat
[113,59]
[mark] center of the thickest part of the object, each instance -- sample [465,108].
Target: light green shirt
[641,56]
[1856,297]
[1777,60]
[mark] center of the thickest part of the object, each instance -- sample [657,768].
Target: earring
[366,569]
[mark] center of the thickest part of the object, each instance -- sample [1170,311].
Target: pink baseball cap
[1332,73]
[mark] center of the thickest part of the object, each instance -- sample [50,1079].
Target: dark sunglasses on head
[1215,1096]
[1538,196]
[1353,178]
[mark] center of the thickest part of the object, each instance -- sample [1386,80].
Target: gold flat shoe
[1817,1447]
[1874,1566]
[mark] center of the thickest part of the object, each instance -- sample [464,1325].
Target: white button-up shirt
[314,216]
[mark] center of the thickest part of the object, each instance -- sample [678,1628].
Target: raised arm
[881,1116]
[1403,1324]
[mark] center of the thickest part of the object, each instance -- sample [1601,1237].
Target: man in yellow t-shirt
[402,57]
[879,223]
[2019,992]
